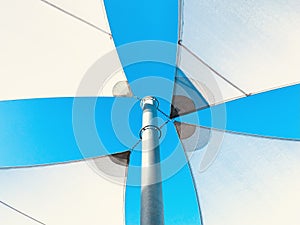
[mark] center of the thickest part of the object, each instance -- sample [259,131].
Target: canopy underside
[72,193]
[54,49]
[247,180]
[48,47]
[237,49]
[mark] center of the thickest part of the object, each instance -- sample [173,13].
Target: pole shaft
[151,188]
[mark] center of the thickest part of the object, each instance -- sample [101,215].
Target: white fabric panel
[254,44]
[66,194]
[10,217]
[253,180]
[92,11]
[45,52]
[213,88]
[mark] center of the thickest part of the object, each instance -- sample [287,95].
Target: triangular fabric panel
[242,179]
[253,45]
[62,193]
[215,89]
[192,137]
[179,197]
[92,11]
[48,49]
[186,98]
[262,114]
[53,130]
[9,216]
[145,34]
[112,166]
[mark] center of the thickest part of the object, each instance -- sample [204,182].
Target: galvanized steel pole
[152,212]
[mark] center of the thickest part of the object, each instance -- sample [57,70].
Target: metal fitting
[150,127]
[149,100]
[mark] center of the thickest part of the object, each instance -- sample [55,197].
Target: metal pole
[152,212]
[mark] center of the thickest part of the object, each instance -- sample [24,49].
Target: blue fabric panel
[179,196]
[273,114]
[186,98]
[135,21]
[40,131]
[138,20]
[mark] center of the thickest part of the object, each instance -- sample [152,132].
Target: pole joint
[149,100]
[150,127]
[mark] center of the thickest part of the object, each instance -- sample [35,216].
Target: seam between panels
[194,182]
[178,51]
[76,17]
[275,88]
[20,212]
[107,26]
[66,162]
[113,42]
[58,163]
[212,69]
[240,133]
[211,105]
[245,94]
[180,30]
[124,190]
[197,192]
[249,95]
[240,97]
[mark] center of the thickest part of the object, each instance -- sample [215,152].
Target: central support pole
[152,212]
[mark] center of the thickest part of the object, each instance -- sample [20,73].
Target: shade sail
[179,196]
[46,52]
[250,180]
[186,97]
[141,21]
[10,216]
[71,193]
[253,45]
[265,114]
[205,80]
[52,130]
[58,57]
